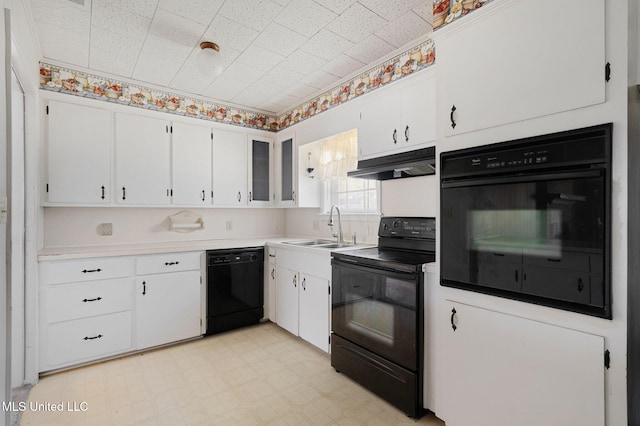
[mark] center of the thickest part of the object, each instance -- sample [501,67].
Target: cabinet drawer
[86,339]
[85,270]
[80,300]
[169,262]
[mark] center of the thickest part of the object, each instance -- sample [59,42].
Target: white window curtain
[338,155]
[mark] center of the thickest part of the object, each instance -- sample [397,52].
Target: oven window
[544,238]
[377,309]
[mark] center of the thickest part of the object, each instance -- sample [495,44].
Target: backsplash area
[82,226]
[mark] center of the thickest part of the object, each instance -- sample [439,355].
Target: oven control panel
[407,227]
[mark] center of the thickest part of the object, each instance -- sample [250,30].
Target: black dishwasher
[235,283]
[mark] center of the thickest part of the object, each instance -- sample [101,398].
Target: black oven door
[540,236]
[377,309]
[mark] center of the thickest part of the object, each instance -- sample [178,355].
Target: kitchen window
[352,195]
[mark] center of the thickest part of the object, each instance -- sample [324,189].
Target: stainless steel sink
[333,245]
[308,242]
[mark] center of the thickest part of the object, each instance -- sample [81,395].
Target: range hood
[419,162]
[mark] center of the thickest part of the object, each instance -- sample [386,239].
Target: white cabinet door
[314,311]
[260,168]
[287,299]
[502,370]
[143,160]
[229,168]
[380,129]
[419,113]
[530,73]
[167,308]
[191,161]
[270,288]
[286,192]
[79,154]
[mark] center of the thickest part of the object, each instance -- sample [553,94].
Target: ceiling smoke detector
[209,60]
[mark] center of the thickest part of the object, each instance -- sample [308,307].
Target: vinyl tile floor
[259,375]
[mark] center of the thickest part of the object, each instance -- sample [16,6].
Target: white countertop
[83,252]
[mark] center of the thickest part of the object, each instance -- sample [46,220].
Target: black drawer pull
[499,254]
[395,136]
[92,300]
[453,314]
[453,122]
[88,271]
[144,288]
[124,193]
[99,336]
[102,187]
[580,284]
[555,260]
[304,281]
[170,263]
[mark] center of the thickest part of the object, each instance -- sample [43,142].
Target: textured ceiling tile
[282,76]
[201,11]
[370,49]
[155,69]
[342,66]
[119,21]
[175,28]
[391,10]
[107,41]
[305,17]
[326,45]
[114,62]
[425,11]
[189,79]
[283,2]
[260,58]
[280,39]
[242,72]
[256,14]
[405,29]
[72,47]
[144,8]
[170,50]
[63,14]
[337,6]
[320,79]
[271,107]
[288,101]
[302,62]
[229,34]
[301,90]
[356,23]
[225,88]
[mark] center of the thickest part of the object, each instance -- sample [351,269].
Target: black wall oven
[530,220]
[378,314]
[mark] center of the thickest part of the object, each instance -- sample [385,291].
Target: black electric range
[377,311]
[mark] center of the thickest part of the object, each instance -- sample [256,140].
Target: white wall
[78,226]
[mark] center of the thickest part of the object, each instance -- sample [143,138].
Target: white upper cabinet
[260,169]
[79,154]
[143,160]
[229,168]
[191,161]
[286,173]
[399,118]
[516,60]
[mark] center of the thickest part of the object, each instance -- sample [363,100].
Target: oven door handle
[372,269]
[523,178]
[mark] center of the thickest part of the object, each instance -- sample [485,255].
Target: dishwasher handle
[233,258]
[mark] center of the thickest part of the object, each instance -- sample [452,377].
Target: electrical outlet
[105,229]
[229,225]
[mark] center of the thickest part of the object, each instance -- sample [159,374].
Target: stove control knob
[396,224]
[385,227]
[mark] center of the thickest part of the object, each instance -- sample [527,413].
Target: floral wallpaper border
[447,11]
[402,65]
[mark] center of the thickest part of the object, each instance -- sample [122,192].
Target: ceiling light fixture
[208,59]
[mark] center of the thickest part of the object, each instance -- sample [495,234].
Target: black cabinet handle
[203,195]
[395,136]
[554,260]
[453,122]
[239,196]
[453,314]
[273,274]
[250,196]
[304,281]
[92,300]
[88,271]
[102,187]
[295,281]
[293,196]
[406,134]
[580,284]
[124,193]
[170,263]
[144,288]
[499,254]
[99,336]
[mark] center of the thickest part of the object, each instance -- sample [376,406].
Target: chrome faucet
[339,233]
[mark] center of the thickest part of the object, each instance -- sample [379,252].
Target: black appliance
[419,162]
[235,288]
[377,311]
[531,220]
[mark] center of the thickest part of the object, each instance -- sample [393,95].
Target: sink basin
[308,242]
[333,245]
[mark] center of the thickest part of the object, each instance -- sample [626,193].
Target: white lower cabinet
[302,298]
[88,310]
[500,369]
[167,308]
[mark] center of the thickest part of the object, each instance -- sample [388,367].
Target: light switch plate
[105,229]
[3,210]
[229,225]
